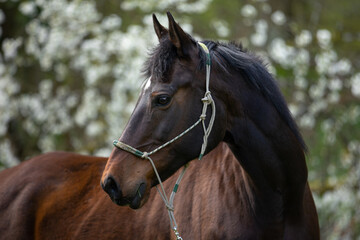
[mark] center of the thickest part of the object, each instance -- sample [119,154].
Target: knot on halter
[169,207]
[207,99]
[145,155]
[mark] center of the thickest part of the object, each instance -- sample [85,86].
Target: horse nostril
[109,185]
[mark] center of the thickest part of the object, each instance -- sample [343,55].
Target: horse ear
[159,29]
[181,40]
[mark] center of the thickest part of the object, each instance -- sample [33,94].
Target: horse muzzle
[134,201]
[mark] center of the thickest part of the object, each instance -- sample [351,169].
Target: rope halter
[206,100]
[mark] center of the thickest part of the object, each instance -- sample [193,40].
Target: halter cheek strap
[207,100]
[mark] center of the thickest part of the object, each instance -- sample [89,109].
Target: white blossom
[355,85]
[278,17]
[307,121]
[324,38]
[6,155]
[111,22]
[260,36]
[281,52]
[335,84]
[221,28]
[10,47]
[304,38]
[341,67]
[248,11]
[324,59]
[28,8]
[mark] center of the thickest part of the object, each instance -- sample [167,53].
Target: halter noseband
[207,100]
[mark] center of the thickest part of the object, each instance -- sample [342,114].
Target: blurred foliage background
[70,76]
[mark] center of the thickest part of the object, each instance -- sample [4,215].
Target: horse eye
[162,100]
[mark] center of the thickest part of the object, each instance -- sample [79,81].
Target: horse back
[33,193]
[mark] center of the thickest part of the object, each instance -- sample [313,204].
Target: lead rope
[207,100]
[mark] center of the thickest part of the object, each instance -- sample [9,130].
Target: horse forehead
[179,75]
[150,83]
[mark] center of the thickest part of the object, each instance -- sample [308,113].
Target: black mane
[227,56]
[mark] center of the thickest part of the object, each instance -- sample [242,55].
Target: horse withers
[251,183]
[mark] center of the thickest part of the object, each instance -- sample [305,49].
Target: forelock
[160,60]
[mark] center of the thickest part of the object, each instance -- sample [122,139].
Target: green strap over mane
[204,47]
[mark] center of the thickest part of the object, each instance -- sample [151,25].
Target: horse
[250,184]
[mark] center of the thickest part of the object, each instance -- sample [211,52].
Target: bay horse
[251,183]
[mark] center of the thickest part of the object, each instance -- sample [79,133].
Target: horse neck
[266,148]
[214,196]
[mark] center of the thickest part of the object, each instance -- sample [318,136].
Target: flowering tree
[70,75]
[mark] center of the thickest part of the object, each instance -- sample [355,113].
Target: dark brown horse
[252,184]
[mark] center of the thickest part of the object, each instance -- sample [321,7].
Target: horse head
[171,100]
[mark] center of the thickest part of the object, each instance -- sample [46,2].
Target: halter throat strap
[207,100]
